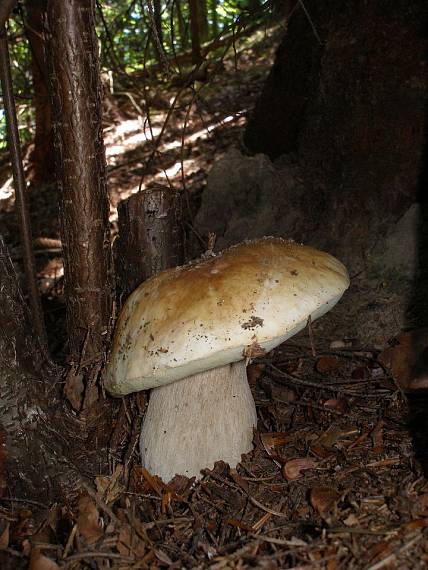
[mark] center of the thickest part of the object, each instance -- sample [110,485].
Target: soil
[336,479]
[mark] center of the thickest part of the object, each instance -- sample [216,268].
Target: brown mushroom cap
[218,310]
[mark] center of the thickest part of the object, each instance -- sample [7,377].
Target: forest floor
[336,479]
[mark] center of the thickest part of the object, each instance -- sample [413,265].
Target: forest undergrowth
[333,482]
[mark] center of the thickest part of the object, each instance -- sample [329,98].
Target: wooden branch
[20,187]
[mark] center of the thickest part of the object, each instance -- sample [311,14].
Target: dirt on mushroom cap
[205,314]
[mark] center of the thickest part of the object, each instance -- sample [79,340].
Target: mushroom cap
[246,300]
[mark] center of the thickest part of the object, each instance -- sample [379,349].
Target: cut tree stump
[151,237]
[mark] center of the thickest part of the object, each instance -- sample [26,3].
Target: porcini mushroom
[188,333]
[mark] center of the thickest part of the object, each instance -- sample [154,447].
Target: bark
[274,127]
[26,394]
[150,237]
[203,20]
[182,28]
[42,156]
[157,10]
[81,174]
[47,447]
[214,18]
[195,33]
[20,188]
[342,109]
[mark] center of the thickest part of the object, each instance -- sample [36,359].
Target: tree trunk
[203,20]
[182,27]
[157,12]
[150,237]
[195,31]
[346,116]
[44,440]
[214,18]
[25,391]
[42,156]
[80,166]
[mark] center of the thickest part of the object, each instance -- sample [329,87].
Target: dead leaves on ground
[329,481]
[407,359]
[39,561]
[88,520]
[293,469]
[4,534]
[323,500]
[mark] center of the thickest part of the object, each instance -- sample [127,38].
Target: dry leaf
[377,437]
[271,442]
[351,520]
[4,536]
[333,563]
[420,505]
[181,485]
[166,502]
[360,373]
[155,483]
[324,499]
[39,561]
[275,439]
[407,360]
[74,389]
[292,469]
[327,364]
[413,525]
[130,543]
[239,524]
[339,405]
[253,350]
[283,394]
[109,488]
[163,557]
[254,371]
[339,344]
[88,520]
[239,480]
[3,457]
[328,439]
[385,462]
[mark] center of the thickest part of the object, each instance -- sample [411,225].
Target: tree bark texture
[203,20]
[293,78]
[80,166]
[214,18]
[157,12]
[195,33]
[25,390]
[344,108]
[150,237]
[42,156]
[182,27]
[20,188]
[47,447]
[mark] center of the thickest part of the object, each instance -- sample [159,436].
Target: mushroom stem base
[193,423]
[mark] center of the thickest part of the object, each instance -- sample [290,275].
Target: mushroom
[189,332]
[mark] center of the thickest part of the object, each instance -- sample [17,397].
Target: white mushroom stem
[192,423]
